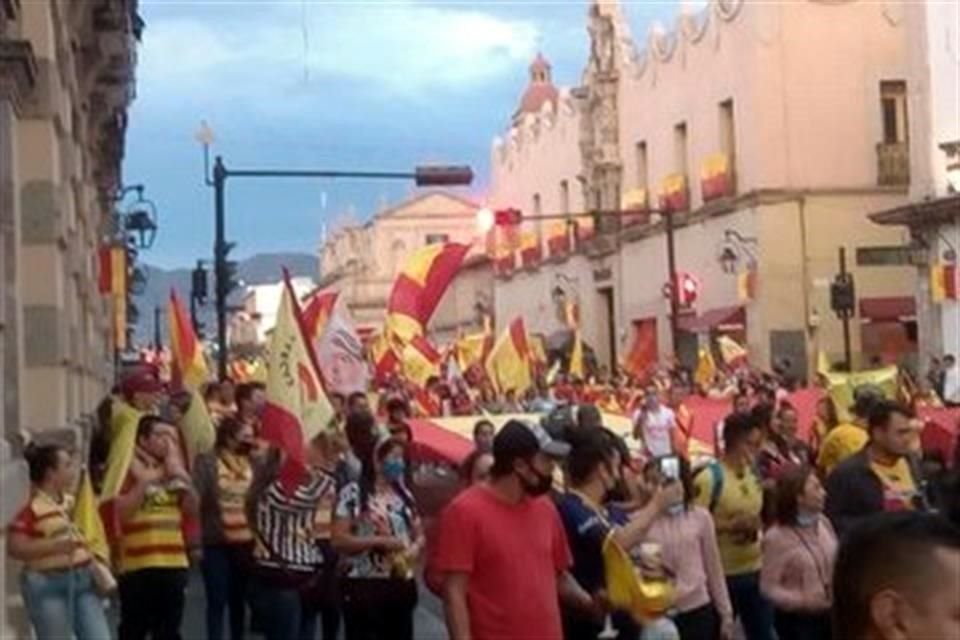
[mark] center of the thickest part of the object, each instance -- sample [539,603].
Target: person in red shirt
[502,550]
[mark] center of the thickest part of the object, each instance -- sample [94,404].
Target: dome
[540,91]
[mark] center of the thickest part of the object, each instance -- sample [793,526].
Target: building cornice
[18,71]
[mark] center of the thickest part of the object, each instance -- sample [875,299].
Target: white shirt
[655,427]
[951,385]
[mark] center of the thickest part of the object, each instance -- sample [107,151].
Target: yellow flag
[643,599]
[576,356]
[842,385]
[86,518]
[823,364]
[730,350]
[706,368]
[123,438]
[508,364]
[197,428]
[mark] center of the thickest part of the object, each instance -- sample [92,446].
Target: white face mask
[675,509]
[806,519]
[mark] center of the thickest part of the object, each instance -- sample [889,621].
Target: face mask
[537,487]
[393,469]
[675,509]
[806,519]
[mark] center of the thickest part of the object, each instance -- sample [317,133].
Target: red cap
[141,382]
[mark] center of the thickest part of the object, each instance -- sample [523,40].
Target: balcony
[893,164]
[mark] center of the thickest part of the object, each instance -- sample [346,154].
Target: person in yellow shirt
[848,438]
[732,492]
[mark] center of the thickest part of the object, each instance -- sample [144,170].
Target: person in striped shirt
[57,584]
[287,561]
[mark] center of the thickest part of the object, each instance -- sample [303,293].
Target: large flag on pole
[188,361]
[508,364]
[318,312]
[420,286]
[340,356]
[297,406]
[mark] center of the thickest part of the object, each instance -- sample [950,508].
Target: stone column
[17,79]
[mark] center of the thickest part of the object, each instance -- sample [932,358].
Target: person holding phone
[593,474]
[685,534]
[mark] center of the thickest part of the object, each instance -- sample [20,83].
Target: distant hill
[262,268]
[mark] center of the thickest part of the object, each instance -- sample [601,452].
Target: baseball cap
[140,382]
[520,439]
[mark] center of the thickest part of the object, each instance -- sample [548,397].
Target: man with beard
[497,582]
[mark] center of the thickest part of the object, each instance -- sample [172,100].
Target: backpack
[716,482]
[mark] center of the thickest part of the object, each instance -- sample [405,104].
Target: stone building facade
[932,216]
[66,79]
[362,262]
[769,131]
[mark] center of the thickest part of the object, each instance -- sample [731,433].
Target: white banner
[340,356]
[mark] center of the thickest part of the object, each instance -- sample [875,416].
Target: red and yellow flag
[189,364]
[420,286]
[674,194]
[943,282]
[530,253]
[297,406]
[112,272]
[508,364]
[715,177]
[643,353]
[421,361]
[471,350]
[731,351]
[558,238]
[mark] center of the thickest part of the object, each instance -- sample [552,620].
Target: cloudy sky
[369,85]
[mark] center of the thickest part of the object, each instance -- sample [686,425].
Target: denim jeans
[64,603]
[754,611]
[225,569]
[280,612]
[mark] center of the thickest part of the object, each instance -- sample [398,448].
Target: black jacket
[854,491]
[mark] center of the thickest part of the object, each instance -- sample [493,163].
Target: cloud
[403,49]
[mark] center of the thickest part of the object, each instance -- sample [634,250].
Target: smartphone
[670,467]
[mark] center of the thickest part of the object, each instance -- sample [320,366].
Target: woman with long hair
[824,422]
[222,478]
[57,583]
[378,532]
[690,554]
[798,556]
[282,511]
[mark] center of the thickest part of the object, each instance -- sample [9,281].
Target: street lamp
[423,176]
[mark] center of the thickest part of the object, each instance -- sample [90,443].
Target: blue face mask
[806,519]
[393,469]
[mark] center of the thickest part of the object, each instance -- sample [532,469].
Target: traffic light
[443,176]
[198,284]
[226,272]
[843,297]
[688,290]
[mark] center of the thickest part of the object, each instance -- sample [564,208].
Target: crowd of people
[777,537]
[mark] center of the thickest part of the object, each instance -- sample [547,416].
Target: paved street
[428,622]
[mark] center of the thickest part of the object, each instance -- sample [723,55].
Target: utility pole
[157,333]
[224,270]
[843,301]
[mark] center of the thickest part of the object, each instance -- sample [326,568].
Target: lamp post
[423,176]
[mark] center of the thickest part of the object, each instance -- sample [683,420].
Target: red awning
[712,319]
[434,443]
[888,309]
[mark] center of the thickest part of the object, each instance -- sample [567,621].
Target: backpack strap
[716,484]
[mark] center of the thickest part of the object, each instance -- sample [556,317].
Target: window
[728,132]
[643,179]
[564,196]
[893,110]
[437,238]
[680,148]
